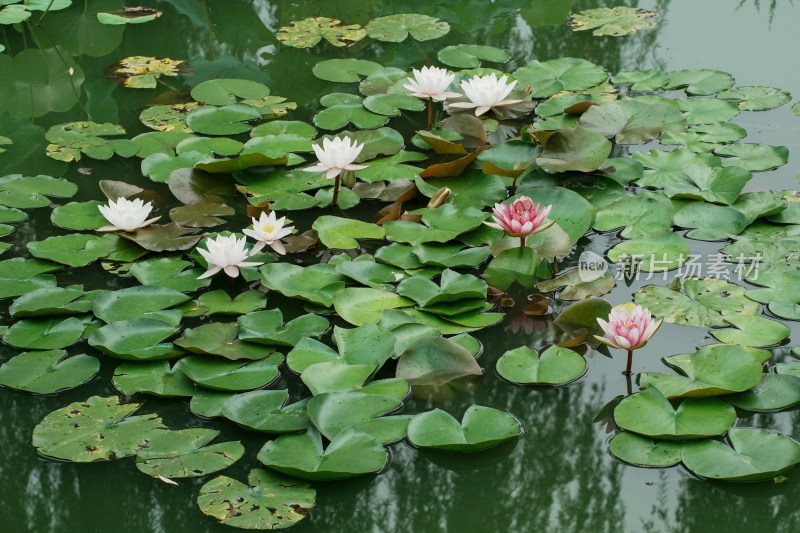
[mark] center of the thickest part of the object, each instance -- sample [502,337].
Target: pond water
[559,474]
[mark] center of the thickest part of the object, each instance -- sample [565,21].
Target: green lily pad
[471,55]
[225,120]
[352,453]
[78,216]
[711,222]
[574,149]
[668,167]
[316,283]
[267,327]
[168,118]
[220,339]
[200,215]
[152,377]
[334,412]
[44,80]
[641,451]
[68,141]
[24,192]
[707,302]
[338,376]
[642,80]
[754,454]
[436,361]
[628,121]
[267,411]
[613,21]
[370,273]
[159,166]
[182,454]
[700,81]
[344,70]
[649,413]
[710,371]
[519,265]
[170,273]
[555,366]
[308,32]
[392,104]
[45,333]
[756,98]
[396,28]
[719,185]
[135,302]
[639,214]
[130,15]
[753,157]
[708,110]
[337,232]
[368,345]
[225,91]
[208,403]
[137,339]
[271,501]
[231,375]
[773,392]
[19,276]
[653,252]
[74,250]
[47,371]
[360,306]
[752,331]
[93,430]
[218,302]
[49,301]
[480,428]
[343,109]
[454,286]
[564,74]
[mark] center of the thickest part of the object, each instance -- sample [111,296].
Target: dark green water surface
[559,475]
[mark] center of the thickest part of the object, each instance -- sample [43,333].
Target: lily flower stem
[522,242]
[335,200]
[628,383]
[513,188]
[630,363]
[430,113]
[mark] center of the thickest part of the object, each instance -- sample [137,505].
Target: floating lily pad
[153,377]
[454,286]
[231,375]
[396,28]
[68,141]
[754,454]
[337,232]
[218,302]
[577,285]
[547,78]
[481,428]
[19,276]
[642,80]
[706,303]
[628,121]
[756,98]
[135,302]
[360,306]
[267,411]
[665,167]
[44,333]
[200,215]
[639,214]
[752,331]
[614,21]
[315,283]
[649,413]
[47,371]
[142,72]
[271,501]
[641,451]
[49,301]
[334,412]
[344,70]
[25,192]
[754,157]
[370,273]
[773,392]
[267,327]
[343,109]
[308,32]
[182,454]
[700,81]
[519,265]
[224,91]
[555,366]
[710,371]
[97,429]
[471,55]
[653,252]
[719,185]
[138,339]
[436,361]
[711,222]
[368,345]
[208,403]
[225,120]
[170,273]
[351,453]
[168,118]
[220,339]
[574,149]
[393,104]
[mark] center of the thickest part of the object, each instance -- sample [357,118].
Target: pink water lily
[628,327]
[521,218]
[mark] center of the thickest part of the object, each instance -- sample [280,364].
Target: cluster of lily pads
[391,297]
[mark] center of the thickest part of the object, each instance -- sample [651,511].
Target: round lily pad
[44,333]
[753,455]
[396,28]
[351,453]
[271,501]
[152,377]
[96,429]
[134,302]
[267,411]
[137,339]
[182,454]
[471,55]
[700,81]
[641,451]
[49,301]
[752,331]
[436,361]
[231,375]
[653,252]
[220,339]
[344,70]
[756,98]
[773,392]
[555,366]
[480,428]
[47,371]
[333,412]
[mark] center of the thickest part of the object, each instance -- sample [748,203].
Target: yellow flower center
[267,228]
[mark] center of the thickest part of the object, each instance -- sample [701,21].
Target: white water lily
[126,215]
[486,92]
[431,82]
[268,230]
[335,156]
[225,253]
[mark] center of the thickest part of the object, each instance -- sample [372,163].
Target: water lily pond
[370,267]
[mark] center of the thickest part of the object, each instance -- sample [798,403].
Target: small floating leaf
[614,21]
[68,141]
[436,361]
[231,375]
[344,70]
[128,15]
[308,32]
[49,371]
[334,412]
[396,28]
[182,454]
[481,428]
[143,72]
[752,331]
[701,81]
[555,366]
[267,411]
[641,451]
[152,377]
[756,98]
[471,55]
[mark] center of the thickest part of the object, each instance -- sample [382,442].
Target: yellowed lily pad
[308,32]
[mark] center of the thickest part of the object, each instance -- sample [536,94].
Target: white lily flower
[268,230]
[225,253]
[486,92]
[335,156]
[126,215]
[431,82]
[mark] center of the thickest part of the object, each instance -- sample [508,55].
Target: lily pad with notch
[137,339]
[396,28]
[752,331]
[266,411]
[50,301]
[231,375]
[316,283]
[267,327]
[45,333]
[47,371]
[554,366]
[183,454]
[334,412]
[480,428]
[136,302]
[642,451]
[152,377]
[774,392]
[220,339]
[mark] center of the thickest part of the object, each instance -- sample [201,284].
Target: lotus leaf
[316,283]
[642,80]
[396,28]
[567,73]
[45,333]
[267,411]
[754,157]
[555,366]
[218,302]
[220,339]
[267,327]
[756,98]
[752,331]
[344,70]
[471,55]
[136,339]
[49,301]
[182,454]
[773,392]
[170,273]
[480,428]
[47,371]
[334,412]
[360,306]
[700,81]
[152,377]
[653,252]
[641,451]
[231,375]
